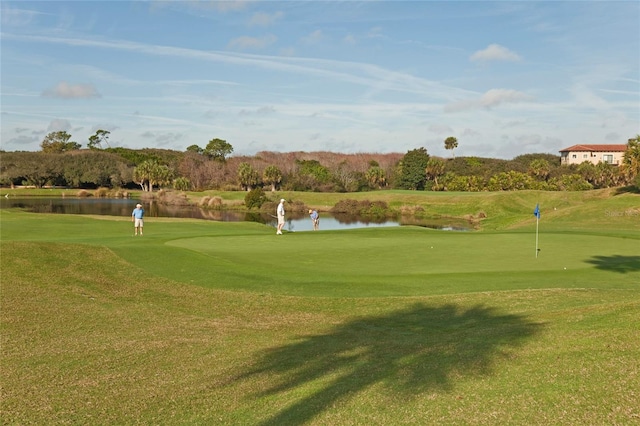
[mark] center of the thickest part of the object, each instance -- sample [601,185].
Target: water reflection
[330,222]
[123,207]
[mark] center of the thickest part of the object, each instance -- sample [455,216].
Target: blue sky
[504,78]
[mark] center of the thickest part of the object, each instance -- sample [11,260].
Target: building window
[608,158]
[584,156]
[574,156]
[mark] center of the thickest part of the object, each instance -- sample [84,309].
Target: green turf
[226,323]
[367,262]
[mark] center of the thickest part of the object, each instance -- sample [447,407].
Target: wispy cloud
[621,92]
[222,6]
[71,91]
[352,72]
[15,17]
[375,32]
[22,142]
[247,42]
[169,138]
[349,39]
[494,52]
[261,19]
[203,5]
[316,36]
[59,125]
[287,51]
[440,129]
[266,110]
[490,99]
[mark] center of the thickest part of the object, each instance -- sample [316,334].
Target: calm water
[124,207]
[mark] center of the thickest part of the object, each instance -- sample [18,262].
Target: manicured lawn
[226,323]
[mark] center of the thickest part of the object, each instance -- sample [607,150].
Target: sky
[505,78]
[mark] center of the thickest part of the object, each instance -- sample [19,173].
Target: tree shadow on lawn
[408,351]
[627,190]
[616,263]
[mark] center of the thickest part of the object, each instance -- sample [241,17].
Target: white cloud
[315,37]
[528,140]
[59,125]
[350,39]
[247,42]
[440,129]
[490,99]
[586,97]
[202,5]
[168,138]
[266,110]
[23,142]
[70,91]
[495,52]
[17,17]
[470,132]
[108,127]
[496,97]
[613,137]
[352,72]
[226,6]
[261,19]
[287,51]
[375,32]
[585,86]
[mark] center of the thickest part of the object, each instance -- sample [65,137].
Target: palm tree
[451,143]
[272,176]
[375,177]
[435,168]
[163,175]
[247,176]
[631,161]
[539,169]
[150,173]
[142,174]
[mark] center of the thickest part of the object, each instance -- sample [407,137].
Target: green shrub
[367,208]
[181,184]
[377,209]
[255,198]
[347,206]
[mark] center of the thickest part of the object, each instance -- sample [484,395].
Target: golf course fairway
[201,322]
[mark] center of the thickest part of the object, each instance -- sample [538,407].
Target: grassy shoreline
[488,211]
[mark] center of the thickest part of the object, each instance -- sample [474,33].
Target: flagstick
[537,222]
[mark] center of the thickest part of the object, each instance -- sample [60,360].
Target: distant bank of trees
[62,162]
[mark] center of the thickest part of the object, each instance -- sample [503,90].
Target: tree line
[63,162]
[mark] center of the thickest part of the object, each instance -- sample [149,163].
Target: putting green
[396,261]
[407,261]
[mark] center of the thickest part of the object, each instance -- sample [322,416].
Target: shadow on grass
[408,351]
[616,263]
[631,189]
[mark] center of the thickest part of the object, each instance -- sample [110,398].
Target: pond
[296,221]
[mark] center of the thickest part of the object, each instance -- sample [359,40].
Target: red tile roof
[598,148]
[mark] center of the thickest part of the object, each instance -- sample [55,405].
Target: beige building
[576,154]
